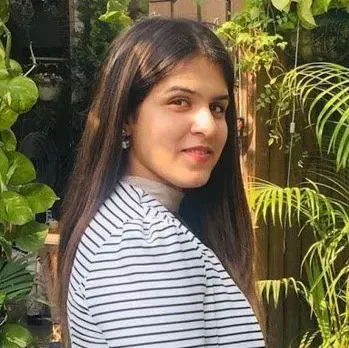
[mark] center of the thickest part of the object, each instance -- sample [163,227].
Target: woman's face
[180,129]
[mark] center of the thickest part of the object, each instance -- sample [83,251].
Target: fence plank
[160,8]
[213,11]
[185,9]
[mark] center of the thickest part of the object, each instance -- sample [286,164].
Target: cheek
[157,138]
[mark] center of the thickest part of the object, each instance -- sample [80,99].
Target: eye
[218,109]
[180,102]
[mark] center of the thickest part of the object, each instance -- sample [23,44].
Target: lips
[199,153]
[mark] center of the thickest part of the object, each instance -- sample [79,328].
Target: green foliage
[295,203]
[22,169]
[322,206]
[31,236]
[4,11]
[39,196]
[327,287]
[14,208]
[20,198]
[307,10]
[9,139]
[18,93]
[92,41]
[117,13]
[247,33]
[320,203]
[16,281]
[15,336]
[323,90]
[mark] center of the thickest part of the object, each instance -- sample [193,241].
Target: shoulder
[122,206]
[145,255]
[131,226]
[128,216]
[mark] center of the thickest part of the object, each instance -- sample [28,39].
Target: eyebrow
[191,91]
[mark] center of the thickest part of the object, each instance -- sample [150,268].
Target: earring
[125,144]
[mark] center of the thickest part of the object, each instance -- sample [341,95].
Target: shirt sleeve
[84,331]
[146,288]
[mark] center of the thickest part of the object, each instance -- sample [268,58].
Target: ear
[127,128]
[129,124]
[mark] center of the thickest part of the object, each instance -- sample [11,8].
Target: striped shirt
[141,278]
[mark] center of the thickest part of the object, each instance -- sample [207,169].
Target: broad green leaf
[39,196]
[320,6]
[305,14]
[9,139]
[117,5]
[281,5]
[4,10]
[4,164]
[117,13]
[24,169]
[15,336]
[116,17]
[19,93]
[31,236]
[7,116]
[15,66]
[14,208]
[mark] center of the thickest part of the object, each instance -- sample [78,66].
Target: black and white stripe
[142,279]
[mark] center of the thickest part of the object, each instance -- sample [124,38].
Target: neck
[168,196]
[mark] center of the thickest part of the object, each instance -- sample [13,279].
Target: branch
[33,59]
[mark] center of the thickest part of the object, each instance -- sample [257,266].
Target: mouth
[199,153]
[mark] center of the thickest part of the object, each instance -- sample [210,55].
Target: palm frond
[268,288]
[323,86]
[290,203]
[16,281]
[307,339]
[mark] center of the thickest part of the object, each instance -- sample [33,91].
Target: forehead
[197,73]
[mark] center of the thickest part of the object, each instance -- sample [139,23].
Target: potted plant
[49,84]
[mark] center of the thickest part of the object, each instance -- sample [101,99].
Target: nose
[204,122]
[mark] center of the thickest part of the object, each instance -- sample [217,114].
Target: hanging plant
[20,197]
[247,35]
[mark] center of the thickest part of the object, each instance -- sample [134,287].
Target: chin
[193,181]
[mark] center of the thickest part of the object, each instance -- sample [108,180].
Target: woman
[156,231]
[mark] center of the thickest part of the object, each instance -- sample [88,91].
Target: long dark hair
[137,60]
